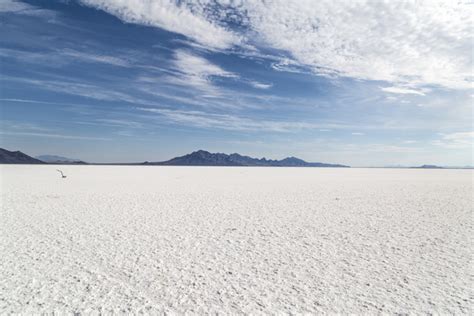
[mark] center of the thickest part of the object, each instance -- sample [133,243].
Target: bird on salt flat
[62,174]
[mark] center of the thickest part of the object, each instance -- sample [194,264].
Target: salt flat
[235,240]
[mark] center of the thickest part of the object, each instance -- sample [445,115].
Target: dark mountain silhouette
[53,159]
[205,158]
[428,167]
[16,157]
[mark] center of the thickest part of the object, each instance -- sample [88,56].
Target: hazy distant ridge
[58,159]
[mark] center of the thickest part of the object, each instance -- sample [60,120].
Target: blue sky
[364,83]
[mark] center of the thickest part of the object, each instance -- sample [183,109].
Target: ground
[235,240]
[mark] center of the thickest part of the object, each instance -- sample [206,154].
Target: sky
[363,83]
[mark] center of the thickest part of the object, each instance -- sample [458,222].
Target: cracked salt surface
[235,240]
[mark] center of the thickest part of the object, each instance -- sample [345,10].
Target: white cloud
[16,128]
[22,126]
[28,101]
[425,42]
[195,65]
[119,123]
[124,133]
[81,89]
[170,16]
[456,140]
[31,57]
[95,58]
[62,57]
[260,85]
[459,136]
[86,90]
[387,148]
[357,133]
[289,65]
[48,135]
[422,42]
[197,72]
[14,6]
[18,7]
[226,121]
[402,90]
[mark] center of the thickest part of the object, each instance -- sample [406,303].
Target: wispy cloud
[421,43]
[95,58]
[27,101]
[260,85]
[120,122]
[43,58]
[227,122]
[85,90]
[403,90]
[58,58]
[170,15]
[81,89]
[71,106]
[456,140]
[124,133]
[290,65]
[356,39]
[50,135]
[18,7]
[197,72]
[185,69]
[22,126]
[192,70]
[16,128]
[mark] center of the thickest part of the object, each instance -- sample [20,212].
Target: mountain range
[205,158]
[197,158]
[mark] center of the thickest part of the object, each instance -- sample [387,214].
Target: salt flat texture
[235,240]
